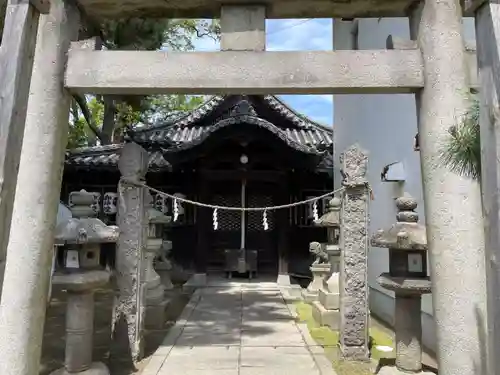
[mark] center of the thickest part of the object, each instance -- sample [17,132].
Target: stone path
[238,329]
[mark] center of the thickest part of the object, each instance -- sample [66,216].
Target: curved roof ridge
[201,111]
[100,148]
[292,115]
[252,120]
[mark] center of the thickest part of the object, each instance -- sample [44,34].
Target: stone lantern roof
[332,217]
[407,233]
[84,230]
[157,217]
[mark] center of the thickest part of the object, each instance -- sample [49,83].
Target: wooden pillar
[16,57]
[27,273]
[203,223]
[283,227]
[488,55]
[453,211]
[130,262]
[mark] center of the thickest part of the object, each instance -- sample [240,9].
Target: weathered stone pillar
[354,312]
[488,58]
[20,28]
[453,209]
[27,274]
[128,314]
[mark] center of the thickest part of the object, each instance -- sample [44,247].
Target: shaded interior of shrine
[249,151]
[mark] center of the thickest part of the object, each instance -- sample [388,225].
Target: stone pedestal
[319,273]
[80,321]
[163,264]
[326,309]
[155,291]
[407,319]
[156,303]
[198,280]
[289,292]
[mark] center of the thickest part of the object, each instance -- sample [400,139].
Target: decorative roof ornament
[243,108]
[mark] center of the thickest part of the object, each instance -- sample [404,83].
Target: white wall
[385,126]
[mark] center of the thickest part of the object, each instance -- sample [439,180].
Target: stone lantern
[79,239]
[407,277]
[155,290]
[321,269]
[326,310]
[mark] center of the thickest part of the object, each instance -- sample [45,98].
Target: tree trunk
[108,123]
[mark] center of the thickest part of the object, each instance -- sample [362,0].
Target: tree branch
[82,103]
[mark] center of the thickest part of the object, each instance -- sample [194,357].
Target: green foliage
[111,119]
[462,152]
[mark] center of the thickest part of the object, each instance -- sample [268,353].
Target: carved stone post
[128,314]
[354,312]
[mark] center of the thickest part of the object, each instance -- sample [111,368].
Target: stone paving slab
[198,360]
[277,361]
[238,330]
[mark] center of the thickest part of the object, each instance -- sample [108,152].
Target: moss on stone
[329,339]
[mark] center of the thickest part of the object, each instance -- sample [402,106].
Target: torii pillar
[453,211]
[29,251]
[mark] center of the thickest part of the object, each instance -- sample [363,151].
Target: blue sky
[294,35]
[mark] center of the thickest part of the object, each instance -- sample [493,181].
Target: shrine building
[234,150]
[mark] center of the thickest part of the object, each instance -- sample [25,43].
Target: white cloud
[296,35]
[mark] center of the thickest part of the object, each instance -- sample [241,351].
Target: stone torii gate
[434,68]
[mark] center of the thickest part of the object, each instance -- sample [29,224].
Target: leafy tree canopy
[103,119]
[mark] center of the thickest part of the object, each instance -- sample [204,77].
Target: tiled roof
[107,157]
[266,112]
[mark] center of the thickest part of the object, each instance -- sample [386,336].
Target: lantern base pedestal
[198,280]
[291,293]
[97,368]
[319,273]
[393,370]
[155,315]
[325,317]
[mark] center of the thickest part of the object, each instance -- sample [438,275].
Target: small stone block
[309,296]
[331,301]
[155,315]
[355,353]
[393,370]
[324,317]
[290,296]
[198,280]
[96,368]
